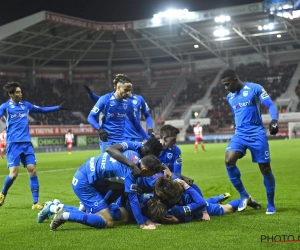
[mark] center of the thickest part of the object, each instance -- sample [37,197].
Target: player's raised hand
[87,89]
[64,106]
[273,127]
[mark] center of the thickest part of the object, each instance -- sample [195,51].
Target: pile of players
[111,186]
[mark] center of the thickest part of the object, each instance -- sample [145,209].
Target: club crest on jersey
[125,105]
[245,93]
[169,155]
[134,102]
[22,107]
[112,103]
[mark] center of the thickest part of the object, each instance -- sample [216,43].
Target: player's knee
[229,161]
[109,223]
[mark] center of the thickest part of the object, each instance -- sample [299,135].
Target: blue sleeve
[95,112]
[37,109]
[137,125]
[2,109]
[272,108]
[130,145]
[146,112]
[93,97]
[177,161]
[136,209]
[199,202]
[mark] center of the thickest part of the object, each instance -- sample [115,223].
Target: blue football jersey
[16,114]
[171,157]
[114,115]
[246,107]
[140,108]
[105,168]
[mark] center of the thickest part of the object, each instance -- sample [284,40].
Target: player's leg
[202,145]
[261,154]
[196,145]
[218,199]
[269,182]
[13,163]
[230,207]
[8,181]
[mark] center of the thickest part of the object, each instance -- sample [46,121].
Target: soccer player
[171,154]
[198,137]
[140,107]
[69,138]
[113,109]
[103,169]
[245,101]
[2,143]
[19,146]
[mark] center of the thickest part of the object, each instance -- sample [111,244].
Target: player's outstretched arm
[64,106]
[115,151]
[90,93]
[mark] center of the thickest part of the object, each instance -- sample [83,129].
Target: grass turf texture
[241,230]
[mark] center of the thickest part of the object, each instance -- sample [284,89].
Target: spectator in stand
[198,137]
[19,146]
[69,139]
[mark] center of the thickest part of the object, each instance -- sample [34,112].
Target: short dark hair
[121,78]
[11,87]
[152,163]
[69,130]
[156,209]
[153,146]
[168,131]
[172,189]
[228,73]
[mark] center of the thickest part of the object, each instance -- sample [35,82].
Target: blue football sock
[7,184]
[34,187]
[234,204]
[215,199]
[91,220]
[72,209]
[235,178]
[269,182]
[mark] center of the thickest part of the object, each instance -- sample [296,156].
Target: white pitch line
[46,171]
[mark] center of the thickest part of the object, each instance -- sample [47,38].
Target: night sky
[106,10]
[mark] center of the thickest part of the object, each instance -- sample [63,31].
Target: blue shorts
[214,209]
[20,152]
[92,200]
[257,144]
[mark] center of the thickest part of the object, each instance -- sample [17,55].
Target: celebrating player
[244,99]
[112,110]
[19,146]
[140,107]
[103,169]
[69,138]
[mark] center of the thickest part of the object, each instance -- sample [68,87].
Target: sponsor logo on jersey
[103,161]
[18,115]
[245,93]
[118,115]
[95,109]
[242,104]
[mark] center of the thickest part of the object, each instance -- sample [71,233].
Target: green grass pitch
[241,230]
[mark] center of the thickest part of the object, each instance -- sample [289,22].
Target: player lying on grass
[101,170]
[187,207]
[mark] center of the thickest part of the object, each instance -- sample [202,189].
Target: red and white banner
[61,130]
[166,72]
[84,24]
[51,75]
[19,74]
[81,76]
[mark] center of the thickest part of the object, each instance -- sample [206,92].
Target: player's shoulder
[176,149]
[252,85]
